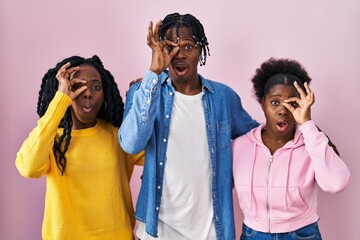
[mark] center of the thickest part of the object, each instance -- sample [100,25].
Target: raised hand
[301,109]
[66,82]
[162,51]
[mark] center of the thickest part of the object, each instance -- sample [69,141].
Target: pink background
[323,35]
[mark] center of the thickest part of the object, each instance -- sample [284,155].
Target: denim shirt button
[160,163]
[170,93]
[167,116]
[154,80]
[157,208]
[164,140]
[158,187]
[148,101]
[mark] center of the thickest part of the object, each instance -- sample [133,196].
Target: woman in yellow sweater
[75,146]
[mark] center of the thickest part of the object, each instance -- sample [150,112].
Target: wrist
[157,71]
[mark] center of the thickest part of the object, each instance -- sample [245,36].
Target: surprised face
[183,67]
[87,105]
[279,120]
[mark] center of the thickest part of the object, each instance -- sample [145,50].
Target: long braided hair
[112,113]
[191,22]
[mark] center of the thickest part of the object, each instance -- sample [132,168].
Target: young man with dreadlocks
[185,123]
[75,146]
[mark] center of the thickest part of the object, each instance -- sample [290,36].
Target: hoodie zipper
[267,191]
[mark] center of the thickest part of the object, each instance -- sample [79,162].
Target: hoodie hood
[255,136]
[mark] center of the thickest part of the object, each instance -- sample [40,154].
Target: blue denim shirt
[146,126]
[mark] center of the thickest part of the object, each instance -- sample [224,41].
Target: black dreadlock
[278,71]
[112,112]
[191,22]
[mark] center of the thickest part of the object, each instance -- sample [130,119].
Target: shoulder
[107,128]
[219,89]
[241,140]
[254,135]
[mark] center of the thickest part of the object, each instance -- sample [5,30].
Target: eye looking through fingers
[293,104]
[170,48]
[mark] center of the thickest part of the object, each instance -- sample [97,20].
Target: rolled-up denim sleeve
[141,106]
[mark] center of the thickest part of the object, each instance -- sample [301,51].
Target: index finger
[78,91]
[76,80]
[175,48]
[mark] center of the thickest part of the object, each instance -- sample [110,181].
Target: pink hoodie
[278,193]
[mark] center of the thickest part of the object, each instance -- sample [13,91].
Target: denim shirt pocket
[223,129]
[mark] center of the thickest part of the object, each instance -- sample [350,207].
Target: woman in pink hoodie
[279,165]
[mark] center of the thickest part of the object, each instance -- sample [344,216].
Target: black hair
[112,111]
[278,71]
[191,22]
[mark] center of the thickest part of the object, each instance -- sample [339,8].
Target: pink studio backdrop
[323,35]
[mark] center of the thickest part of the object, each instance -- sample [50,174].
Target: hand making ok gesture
[301,110]
[162,51]
[66,82]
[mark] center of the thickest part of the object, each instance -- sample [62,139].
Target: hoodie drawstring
[287,179]
[252,176]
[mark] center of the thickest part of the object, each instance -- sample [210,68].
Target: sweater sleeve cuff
[59,105]
[62,99]
[308,127]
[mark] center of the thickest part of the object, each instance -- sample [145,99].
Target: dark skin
[84,86]
[162,58]
[179,53]
[285,106]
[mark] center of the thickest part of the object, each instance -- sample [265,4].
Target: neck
[188,87]
[274,142]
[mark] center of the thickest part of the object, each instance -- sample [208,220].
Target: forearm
[141,107]
[33,158]
[331,173]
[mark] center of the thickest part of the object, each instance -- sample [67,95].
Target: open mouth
[87,108]
[180,68]
[282,125]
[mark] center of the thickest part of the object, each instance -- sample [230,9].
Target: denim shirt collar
[206,84]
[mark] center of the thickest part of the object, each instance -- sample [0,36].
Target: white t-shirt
[186,210]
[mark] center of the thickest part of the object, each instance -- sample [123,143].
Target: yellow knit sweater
[92,200]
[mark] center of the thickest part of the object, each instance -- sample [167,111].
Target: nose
[181,53]
[283,110]
[87,94]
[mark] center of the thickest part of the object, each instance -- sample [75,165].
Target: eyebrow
[279,95]
[95,80]
[181,40]
[91,80]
